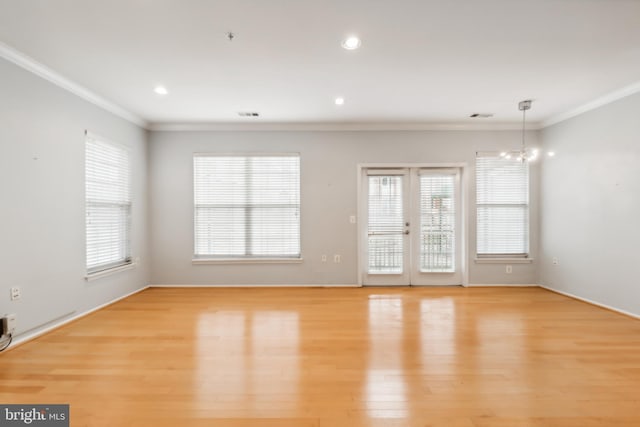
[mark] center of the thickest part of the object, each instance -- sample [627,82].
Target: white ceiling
[421,61]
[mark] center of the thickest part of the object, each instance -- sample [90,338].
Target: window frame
[507,257]
[246,259]
[127,262]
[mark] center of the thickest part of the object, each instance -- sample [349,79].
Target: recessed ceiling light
[339,100]
[161,90]
[551,154]
[351,43]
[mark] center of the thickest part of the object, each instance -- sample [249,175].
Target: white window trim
[109,271]
[209,261]
[249,154]
[502,260]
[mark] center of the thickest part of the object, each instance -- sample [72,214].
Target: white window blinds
[108,205]
[247,206]
[502,203]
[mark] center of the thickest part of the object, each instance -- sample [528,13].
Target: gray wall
[587,197]
[329,195]
[42,222]
[590,205]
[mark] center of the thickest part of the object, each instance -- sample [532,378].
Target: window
[386,224]
[246,206]
[437,222]
[108,205]
[502,203]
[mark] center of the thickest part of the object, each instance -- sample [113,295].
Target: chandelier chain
[524,113]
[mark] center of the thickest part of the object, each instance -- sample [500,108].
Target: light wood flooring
[313,357]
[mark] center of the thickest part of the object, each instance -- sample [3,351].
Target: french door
[412,230]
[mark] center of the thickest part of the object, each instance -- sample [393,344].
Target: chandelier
[524,154]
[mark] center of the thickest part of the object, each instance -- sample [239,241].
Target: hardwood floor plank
[314,357]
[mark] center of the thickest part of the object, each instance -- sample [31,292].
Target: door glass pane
[437,223]
[386,225]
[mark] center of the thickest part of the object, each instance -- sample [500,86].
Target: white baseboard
[324,285]
[608,307]
[503,285]
[55,325]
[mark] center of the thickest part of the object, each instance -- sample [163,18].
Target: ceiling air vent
[481,115]
[248,114]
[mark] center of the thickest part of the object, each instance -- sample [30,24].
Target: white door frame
[464,208]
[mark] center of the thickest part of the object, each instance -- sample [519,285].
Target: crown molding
[337,127]
[22,60]
[41,70]
[592,105]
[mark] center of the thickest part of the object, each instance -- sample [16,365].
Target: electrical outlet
[9,324]
[337,259]
[554,261]
[509,269]
[324,258]
[15,293]
[352,219]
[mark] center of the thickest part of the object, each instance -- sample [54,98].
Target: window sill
[503,260]
[98,274]
[436,272]
[206,261]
